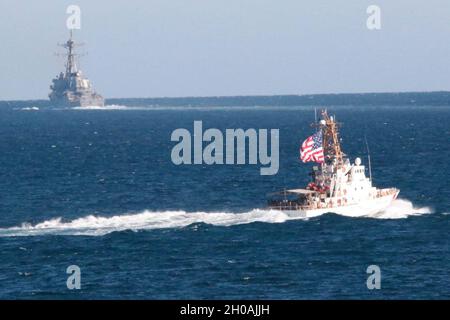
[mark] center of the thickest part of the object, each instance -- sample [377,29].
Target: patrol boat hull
[369,207]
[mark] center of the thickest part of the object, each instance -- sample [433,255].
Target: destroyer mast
[70,64]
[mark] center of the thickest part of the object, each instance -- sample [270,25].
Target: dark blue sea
[97,189]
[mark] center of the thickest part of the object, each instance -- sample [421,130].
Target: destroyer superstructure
[70,88]
[337,185]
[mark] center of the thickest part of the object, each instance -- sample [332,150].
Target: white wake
[148,220]
[402,208]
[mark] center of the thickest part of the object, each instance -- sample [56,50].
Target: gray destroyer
[71,88]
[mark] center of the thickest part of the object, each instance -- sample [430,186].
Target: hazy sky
[155,48]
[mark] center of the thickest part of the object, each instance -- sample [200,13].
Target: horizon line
[254,95]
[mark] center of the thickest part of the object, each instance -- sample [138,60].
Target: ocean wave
[29,109]
[148,220]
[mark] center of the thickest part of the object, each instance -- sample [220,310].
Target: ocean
[96,188]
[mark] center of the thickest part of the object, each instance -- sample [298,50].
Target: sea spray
[148,220]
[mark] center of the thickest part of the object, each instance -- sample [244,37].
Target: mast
[71,66]
[331,145]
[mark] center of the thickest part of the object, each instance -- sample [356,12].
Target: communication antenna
[315,115]
[368,157]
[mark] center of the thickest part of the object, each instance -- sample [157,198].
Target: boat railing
[288,205]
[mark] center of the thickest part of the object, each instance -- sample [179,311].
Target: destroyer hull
[369,207]
[90,101]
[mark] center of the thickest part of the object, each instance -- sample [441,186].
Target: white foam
[30,109]
[400,209]
[108,107]
[148,220]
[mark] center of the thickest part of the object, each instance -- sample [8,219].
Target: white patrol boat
[337,185]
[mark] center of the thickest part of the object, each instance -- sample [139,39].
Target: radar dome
[322,122]
[357,161]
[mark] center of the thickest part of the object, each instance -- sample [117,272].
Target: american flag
[311,149]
